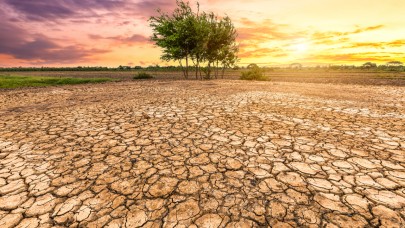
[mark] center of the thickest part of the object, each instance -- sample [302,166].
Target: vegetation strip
[10,82]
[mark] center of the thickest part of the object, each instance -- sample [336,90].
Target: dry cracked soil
[203,154]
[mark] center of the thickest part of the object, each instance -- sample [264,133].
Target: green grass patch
[142,75]
[10,82]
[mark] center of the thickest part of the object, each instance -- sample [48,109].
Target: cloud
[263,52]
[123,40]
[371,28]
[252,35]
[335,34]
[20,44]
[50,10]
[148,8]
[396,43]
[136,39]
[381,45]
[355,57]
[331,41]
[44,9]
[266,30]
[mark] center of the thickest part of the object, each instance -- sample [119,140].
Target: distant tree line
[84,68]
[204,39]
[389,66]
[79,68]
[368,66]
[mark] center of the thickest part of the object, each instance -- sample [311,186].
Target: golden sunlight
[300,47]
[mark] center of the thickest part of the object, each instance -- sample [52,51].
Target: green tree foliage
[252,66]
[202,38]
[395,63]
[254,73]
[369,65]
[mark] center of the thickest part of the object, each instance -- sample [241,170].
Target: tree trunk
[201,77]
[209,71]
[217,71]
[197,68]
[182,69]
[223,71]
[186,66]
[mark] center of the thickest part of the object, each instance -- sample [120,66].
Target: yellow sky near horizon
[271,32]
[324,32]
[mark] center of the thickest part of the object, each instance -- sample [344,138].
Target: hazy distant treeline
[372,68]
[86,68]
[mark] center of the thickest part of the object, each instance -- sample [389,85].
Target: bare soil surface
[203,154]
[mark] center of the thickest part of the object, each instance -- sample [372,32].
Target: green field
[10,82]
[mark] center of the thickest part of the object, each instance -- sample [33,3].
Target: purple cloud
[128,40]
[148,8]
[136,38]
[21,20]
[46,10]
[20,44]
[41,10]
[51,9]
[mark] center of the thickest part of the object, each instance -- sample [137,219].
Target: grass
[143,75]
[10,82]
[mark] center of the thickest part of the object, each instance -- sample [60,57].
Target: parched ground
[203,154]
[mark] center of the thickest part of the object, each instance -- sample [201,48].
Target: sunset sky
[271,32]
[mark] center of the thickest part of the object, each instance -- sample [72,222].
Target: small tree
[203,30]
[395,63]
[252,66]
[175,34]
[369,65]
[201,37]
[228,57]
[228,48]
[254,73]
[296,66]
[211,42]
[395,66]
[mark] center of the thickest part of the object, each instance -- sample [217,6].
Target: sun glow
[300,47]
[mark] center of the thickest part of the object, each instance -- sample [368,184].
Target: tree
[228,48]
[174,34]
[254,73]
[296,66]
[202,32]
[395,64]
[228,57]
[211,42]
[201,37]
[368,65]
[252,66]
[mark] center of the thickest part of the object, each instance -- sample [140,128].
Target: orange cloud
[396,43]
[334,34]
[124,40]
[382,45]
[356,57]
[332,41]
[263,31]
[263,52]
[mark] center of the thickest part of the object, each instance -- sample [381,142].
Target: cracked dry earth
[203,154]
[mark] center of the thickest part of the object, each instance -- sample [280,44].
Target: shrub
[143,75]
[254,73]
